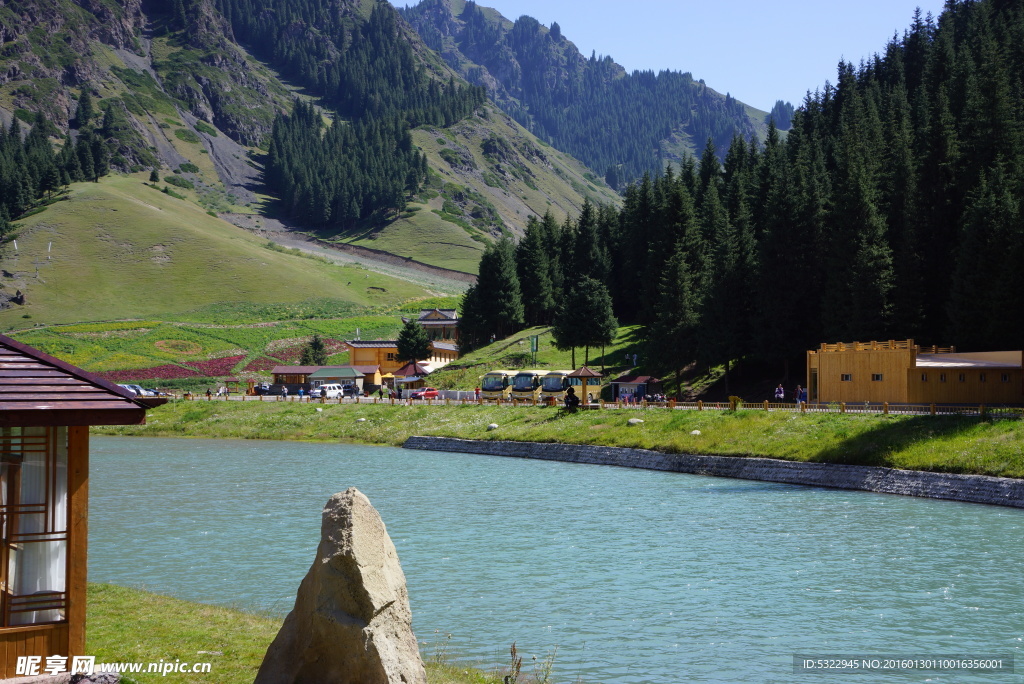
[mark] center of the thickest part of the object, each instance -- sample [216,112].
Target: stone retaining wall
[998,491]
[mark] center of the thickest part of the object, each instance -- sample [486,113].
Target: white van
[330,390]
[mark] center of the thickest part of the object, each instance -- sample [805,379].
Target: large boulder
[351,623]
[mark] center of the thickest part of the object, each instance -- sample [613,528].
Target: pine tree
[413,342]
[314,353]
[533,266]
[85,111]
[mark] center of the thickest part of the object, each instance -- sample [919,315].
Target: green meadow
[123,249]
[130,625]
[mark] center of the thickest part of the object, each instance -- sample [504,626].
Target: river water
[636,577]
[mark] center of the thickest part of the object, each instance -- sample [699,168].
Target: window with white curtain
[33,524]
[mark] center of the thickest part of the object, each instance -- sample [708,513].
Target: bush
[179,182]
[187,135]
[188,167]
[206,128]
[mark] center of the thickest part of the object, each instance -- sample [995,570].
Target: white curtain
[41,565]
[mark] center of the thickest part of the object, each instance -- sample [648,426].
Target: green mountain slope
[119,249]
[197,105]
[591,108]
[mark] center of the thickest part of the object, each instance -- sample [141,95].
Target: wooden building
[440,324]
[384,353]
[46,408]
[899,371]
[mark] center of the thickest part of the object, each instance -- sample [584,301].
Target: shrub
[206,128]
[179,182]
[188,167]
[187,135]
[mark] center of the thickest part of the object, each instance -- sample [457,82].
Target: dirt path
[439,280]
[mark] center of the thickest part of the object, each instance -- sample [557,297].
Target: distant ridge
[618,123]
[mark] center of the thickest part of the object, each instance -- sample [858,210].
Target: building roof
[636,380]
[450,314]
[585,372]
[372,344]
[38,389]
[294,370]
[336,372]
[410,370]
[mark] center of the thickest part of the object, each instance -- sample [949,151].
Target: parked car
[424,393]
[328,390]
[350,391]
[140,392]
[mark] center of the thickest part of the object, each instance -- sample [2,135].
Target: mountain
[614,121]
[193,91]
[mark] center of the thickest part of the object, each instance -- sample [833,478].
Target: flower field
[148,351]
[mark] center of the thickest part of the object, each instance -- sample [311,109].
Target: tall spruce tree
[413,342]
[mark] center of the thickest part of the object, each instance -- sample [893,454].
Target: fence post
[766,406]
[700,405]
[932,409]
[842,407]
[803,407]
[981,410]
[885,408]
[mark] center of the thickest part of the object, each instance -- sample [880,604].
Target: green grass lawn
[954,444]
[130,625]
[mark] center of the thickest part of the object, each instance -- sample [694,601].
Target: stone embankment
[999,491]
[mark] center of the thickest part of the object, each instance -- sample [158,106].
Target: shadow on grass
[874,446]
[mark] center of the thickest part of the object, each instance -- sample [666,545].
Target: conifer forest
[890,210]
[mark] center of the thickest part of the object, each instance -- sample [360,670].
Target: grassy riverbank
[129,625]
[955,444]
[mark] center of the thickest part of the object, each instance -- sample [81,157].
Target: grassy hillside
[489,175]
[122,249]
[514,352]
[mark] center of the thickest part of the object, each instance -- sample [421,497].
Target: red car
[424,393]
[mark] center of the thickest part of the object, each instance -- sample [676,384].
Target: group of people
[799,394]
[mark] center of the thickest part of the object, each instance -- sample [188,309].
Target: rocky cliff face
[55,49]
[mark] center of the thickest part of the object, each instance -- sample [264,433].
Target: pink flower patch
[216,367]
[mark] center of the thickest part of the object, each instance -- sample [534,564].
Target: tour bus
[496,385]
[556,382]
[526,384]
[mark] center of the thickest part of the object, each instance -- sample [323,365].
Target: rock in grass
[360,420]
[492,426]
[695,432]
[636,421]
[351,623]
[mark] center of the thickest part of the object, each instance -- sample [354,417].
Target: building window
[846,377]
[942,377]
[924,377]
[963,378]
[1005,377]
[876,377]
[981,377]
[33,525]
[391,356]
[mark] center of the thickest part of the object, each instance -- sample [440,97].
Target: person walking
[799,394]
[780,394]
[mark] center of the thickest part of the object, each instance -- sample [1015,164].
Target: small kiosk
[46,408]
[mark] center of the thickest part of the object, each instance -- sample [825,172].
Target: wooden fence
[883,408]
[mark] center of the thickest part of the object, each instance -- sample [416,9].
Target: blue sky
[759,52]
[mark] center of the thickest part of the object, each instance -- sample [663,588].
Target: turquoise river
[635,577]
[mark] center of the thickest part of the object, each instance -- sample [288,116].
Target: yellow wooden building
[899,371]
[384,353]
